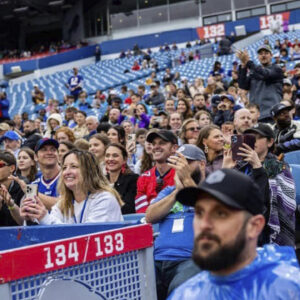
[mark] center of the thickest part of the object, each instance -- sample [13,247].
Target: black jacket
[31,139]
[264,83]
[126,187]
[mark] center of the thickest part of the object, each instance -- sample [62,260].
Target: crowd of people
[203,159]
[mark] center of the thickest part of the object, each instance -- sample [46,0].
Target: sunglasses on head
[3,164]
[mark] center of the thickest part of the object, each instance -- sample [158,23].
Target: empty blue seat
[292,157]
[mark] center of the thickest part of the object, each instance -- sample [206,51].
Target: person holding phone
[85,195]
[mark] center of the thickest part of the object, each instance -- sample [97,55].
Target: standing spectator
[264,81]
[4,107]
[224,46]
[151,182]
[120,176]
[97,54]
[75,84]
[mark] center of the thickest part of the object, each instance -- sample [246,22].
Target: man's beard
[224,257]
[284,123]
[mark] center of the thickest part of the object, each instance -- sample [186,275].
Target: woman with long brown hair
[26,165]
[189,131]
[184,108]
[120,176]
[85,195]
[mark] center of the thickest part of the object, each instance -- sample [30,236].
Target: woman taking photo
[211,141]
[184,108]
[120,176]
[26,165]
[189,132]
[85,195]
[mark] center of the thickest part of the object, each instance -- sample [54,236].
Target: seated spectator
[26,165]
[156,98]
[140,142]
[217,69]
[227,129]
[242,120]
[54,122]
[120,176]
[31,135]
[69,119]
[175,122]
[189,131]
[91,123]
[197,87]
[63,148]
[10,191]
[116,135]
[64,134]
[204,118]
[221,244]
[254,111]
[225,110]
[82,103]
[287,131]
[173,247]
[136,66]
[85,195]
[97,145]
[80,130]
[174,46]
[38,96]
[224,46]
[184,108]
[211,141]
[82,144]
[128,127]
[151,182]
[199,103]
[169,106]
[12,142]
[168,75]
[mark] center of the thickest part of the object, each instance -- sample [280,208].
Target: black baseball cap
[262,129]
[231,187]
[166,135]
[215,100]
[279,107]
[46,141]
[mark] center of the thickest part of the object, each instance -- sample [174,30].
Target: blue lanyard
[82,211]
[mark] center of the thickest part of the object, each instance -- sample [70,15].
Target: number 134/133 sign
[32,260]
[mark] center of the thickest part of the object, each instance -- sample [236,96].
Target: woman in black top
[120,176]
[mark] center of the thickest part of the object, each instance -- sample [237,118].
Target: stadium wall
[253,24]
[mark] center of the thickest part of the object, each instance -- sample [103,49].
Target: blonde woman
[85,195]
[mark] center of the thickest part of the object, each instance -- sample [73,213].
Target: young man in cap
[287,131]
[225,110]
[227,224]
[174,244]
[264,81]
[151,182]
[46,152]
[12,142]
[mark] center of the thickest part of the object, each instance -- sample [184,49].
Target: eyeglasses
[193,129]
[2,165]
[159,184]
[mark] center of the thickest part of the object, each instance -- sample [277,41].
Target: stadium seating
[110,74]
[293,157]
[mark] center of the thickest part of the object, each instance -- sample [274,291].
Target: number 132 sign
[211,31]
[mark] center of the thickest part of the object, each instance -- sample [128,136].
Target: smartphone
[131,139]
[31,191]
[236,142]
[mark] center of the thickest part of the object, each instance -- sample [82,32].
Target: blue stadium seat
[293,157]
[295,169]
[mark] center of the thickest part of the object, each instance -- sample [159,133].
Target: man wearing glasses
[151,182]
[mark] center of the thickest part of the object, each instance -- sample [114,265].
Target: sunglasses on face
[193,129]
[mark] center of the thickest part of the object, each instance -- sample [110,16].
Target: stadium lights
[21,9]
[56,3]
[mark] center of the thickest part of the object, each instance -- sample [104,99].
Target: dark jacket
[31,139]
[126,187]
[264,83]
[16,193]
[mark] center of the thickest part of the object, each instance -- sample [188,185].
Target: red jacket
[146,188]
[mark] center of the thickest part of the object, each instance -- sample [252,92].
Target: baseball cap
[166,135]
[10,135]
[264,47]
[279,107]
[262,129]
[163,113]
[192,152]
[244,195]
[113,92]
[215,100]
[235,63]
[4,126]
[229,97]
[45,141]
[153,84]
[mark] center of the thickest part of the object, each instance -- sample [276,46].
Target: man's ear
[12,168]
[255,226]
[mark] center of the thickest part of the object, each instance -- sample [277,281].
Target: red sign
[211,31]
[266,21]
[41,258]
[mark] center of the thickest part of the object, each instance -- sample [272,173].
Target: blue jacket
[274,274]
